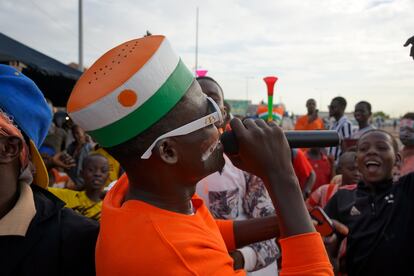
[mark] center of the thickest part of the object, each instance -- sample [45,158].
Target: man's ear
[224,112]
[10,148]
[167,151]
[398,160]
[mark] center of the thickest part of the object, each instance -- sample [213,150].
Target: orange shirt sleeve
[305,255]
[227,232]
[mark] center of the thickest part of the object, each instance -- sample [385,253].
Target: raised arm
[264,151]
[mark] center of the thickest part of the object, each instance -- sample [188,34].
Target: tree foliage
[381,114]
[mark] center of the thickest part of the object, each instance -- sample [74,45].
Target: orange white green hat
[129,89]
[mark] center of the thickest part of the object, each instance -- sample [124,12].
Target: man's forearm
[291,211]
[294,217]
[255,230]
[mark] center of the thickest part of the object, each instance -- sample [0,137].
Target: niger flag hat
[129,89]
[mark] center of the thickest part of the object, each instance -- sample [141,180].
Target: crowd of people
[131,179]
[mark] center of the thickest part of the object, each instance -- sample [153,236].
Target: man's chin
[218,162]
[221,165]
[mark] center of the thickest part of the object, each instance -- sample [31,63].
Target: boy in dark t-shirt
[378,212]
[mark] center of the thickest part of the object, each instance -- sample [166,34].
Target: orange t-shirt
[302,123]
[137,238]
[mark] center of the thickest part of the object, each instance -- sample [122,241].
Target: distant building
[239,107]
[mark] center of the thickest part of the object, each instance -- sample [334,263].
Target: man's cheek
[207,152]
[407,136]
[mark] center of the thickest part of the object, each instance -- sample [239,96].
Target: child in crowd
[322,166]
[378,212]
[88,202]
[362,115]
[115,169]
[350,176]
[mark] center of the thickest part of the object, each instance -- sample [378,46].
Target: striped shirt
[344,128]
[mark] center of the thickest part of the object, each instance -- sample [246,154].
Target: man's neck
[338,117]
[162,193]
[380,186]
[94,195]
[314,156]
[362,125]
[312,116]
[346,181]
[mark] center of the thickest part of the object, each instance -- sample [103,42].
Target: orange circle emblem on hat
[127,98]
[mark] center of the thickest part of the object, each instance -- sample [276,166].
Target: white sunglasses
[210,119]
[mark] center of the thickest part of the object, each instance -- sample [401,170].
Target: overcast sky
[317,48]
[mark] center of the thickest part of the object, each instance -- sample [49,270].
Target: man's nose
[98,173]
[372,150]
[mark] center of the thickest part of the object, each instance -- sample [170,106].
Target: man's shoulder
[347,121]
[46,202]
[63,193]
[51,209]
[61,132]
[77,227]
[345,195]
[323,188]
[346,190]
[406,182]
[350,187]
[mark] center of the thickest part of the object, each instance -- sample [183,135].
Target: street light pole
[247,88]
[196,45]
[80,65]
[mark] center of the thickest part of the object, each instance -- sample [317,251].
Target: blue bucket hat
[22,100]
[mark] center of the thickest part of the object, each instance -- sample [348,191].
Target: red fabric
[302,167]
[321,196]
[59,177]
[323,171]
